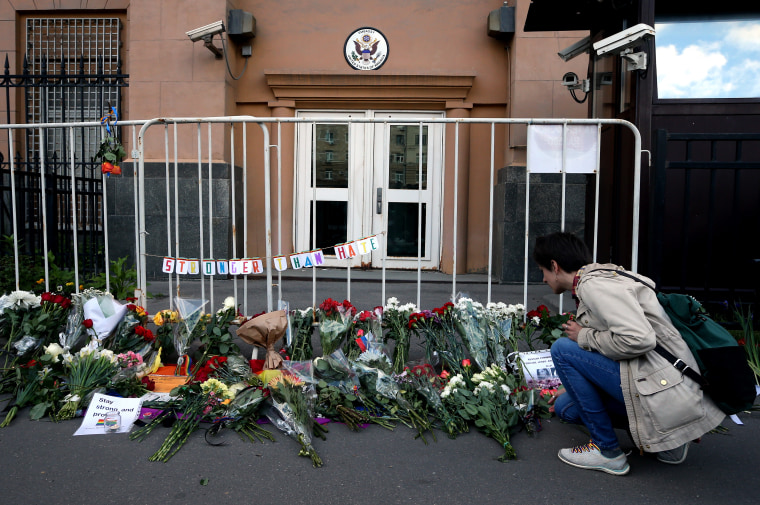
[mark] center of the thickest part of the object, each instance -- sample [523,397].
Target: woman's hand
[571,329]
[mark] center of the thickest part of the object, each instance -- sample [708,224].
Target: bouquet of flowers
[335,370]
[396,320]
[190,312]
[424,380]
[366,322]
[442,339]
[551,326]
[131,333]
[474,329]
[165,320]
[334,323]
[292,412]
[85,371]
[501,320]
[301,330]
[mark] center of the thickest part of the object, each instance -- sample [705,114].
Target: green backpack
[725,373]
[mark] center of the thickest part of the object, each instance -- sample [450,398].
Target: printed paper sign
[209,267]
[545,149]
[538,365]
[94,420]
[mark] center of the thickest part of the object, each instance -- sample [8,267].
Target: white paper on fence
[92,424]
[105,313]
[538,365]
[545,149]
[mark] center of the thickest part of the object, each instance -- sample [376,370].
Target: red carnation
[131,307]
[87,323]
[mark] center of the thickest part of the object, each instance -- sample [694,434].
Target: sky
[708,60]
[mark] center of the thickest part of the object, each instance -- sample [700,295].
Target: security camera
[580,47]
[621,41]
[570,79]
[206,32]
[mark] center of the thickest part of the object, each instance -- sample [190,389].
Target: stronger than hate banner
[252,266]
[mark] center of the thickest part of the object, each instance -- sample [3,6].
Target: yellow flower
[69,283]
[81,287]
[41,281]
[158,319]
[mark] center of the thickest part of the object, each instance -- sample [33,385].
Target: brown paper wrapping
[264,331]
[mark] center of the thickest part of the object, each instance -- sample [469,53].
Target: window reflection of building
[405,148]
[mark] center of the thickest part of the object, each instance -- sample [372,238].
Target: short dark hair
[570,252]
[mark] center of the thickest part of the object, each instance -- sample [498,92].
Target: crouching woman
[607,363]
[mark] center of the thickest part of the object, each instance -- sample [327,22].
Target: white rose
[54,350]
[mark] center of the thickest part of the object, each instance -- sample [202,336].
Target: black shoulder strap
[676,362]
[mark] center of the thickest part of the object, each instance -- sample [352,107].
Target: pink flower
[445,374]
[466,363]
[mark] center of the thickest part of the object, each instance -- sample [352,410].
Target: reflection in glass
[332,156]
[404,157]
[402,229]
[332,219]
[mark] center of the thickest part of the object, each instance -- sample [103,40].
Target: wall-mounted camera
[580,47]
[206,31]
[206,34]
[630,37]
[570,81]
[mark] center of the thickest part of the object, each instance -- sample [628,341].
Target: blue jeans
[593,394]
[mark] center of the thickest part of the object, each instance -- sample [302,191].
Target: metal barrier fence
[262,157]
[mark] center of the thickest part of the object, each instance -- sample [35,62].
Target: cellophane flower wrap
[474,329]
[301,330]
[502,319]
[396,321]
[335,320]
[365,322]
[292,411]
[190,313]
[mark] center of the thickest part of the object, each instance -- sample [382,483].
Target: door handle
[379,207]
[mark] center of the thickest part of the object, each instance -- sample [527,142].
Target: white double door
[364,179]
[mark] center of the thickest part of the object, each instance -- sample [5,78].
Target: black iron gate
[58,97]
[705,215]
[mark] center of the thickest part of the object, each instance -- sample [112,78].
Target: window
[417,139]
[708,59]
[329,156]
[398,157]
[67,43]
[399,140]
[330,137]
[398,177]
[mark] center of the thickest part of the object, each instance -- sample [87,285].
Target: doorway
[371,179]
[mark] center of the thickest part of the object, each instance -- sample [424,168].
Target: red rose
[47,296]
[131,298]
[139,331]
[66,304]
[148,336]
[58,299]
[131,307]
[87,323]
[149,384]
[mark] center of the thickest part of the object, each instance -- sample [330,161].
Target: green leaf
[224,348]
[38,411]
[471,409]
[204,481]
[217,331]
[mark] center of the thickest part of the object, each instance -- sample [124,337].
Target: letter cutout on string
[257,265]
[295,261]
[182,266]
[351,249]
[222,267]
[193,267]
[363,246]
[340,252]
[209,267]
[280,263]
[306,260]
[374,243]
[235,267]
[318,258]
[246,267]
[167,266]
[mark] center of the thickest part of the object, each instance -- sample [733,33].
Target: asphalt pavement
[42,462]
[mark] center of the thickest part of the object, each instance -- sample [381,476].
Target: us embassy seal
[366,49]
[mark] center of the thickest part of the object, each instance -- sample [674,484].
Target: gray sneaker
[590,457]
[674,456]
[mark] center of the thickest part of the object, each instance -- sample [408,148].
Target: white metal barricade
[230,126]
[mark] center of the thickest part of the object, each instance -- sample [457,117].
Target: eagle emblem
[366,47]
